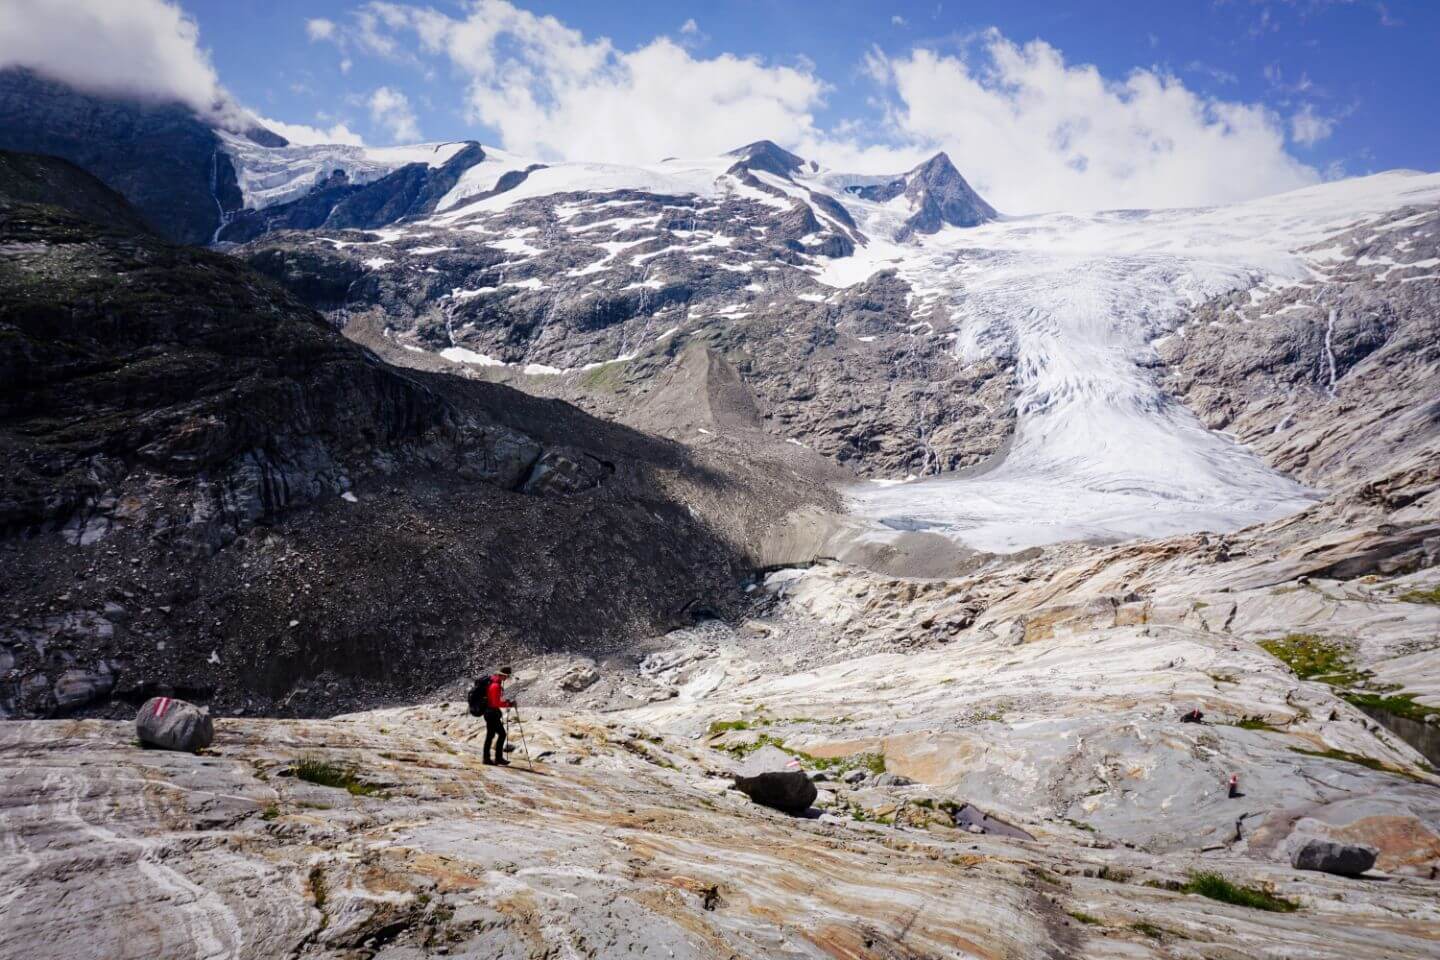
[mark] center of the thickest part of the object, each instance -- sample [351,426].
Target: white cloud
[390,110]
[1029,130]
[1308,128]
[304,135]
[1032,132]
[549,92]
[690,26]
[147,49]
[898,21]
[319,28]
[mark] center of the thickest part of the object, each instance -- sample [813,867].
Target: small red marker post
[1234,785]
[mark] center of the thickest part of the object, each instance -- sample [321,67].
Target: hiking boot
[488,762]
[502,762]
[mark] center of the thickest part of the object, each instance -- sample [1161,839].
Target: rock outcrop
[624,844]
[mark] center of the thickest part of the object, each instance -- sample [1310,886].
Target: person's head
[505,672]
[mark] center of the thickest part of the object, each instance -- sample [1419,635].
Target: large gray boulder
[773,778]
[1327,856]
[172,724]
[787,790]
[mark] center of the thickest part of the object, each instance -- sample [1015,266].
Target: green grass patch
[606,377]
[1256,723]
[725,726]
[270,812]
[1422,596]
[1216,887]
[1314,658]
[1084,918]
[1309,656]
[1361,760]
[1148,929]
[1401,705]
[313,769]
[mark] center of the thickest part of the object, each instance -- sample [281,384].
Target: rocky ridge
[592,296]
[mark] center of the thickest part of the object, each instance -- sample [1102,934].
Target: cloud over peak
[148,49]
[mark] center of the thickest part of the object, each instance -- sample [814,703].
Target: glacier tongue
[271,175]
[1100,452]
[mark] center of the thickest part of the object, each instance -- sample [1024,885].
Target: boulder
[1345,859]
[767,759]
[773,778]
[892,780]
[788,790]
[77,688]
[172,724]
[578,678]
[972,818]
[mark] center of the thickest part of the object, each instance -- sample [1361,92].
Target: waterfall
[1329,349]
[215,194]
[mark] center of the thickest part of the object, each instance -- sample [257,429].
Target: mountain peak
[938,165]
[943,196]
[769,156]
[938,195]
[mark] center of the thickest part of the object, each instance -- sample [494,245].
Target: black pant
[494,730]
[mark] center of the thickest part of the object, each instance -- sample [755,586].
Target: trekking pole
[521,727]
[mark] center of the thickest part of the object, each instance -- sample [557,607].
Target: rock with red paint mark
[172,724]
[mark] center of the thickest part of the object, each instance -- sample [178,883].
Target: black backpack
[480,697]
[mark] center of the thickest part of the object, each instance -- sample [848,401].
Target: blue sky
[1042,104]
[1371,68]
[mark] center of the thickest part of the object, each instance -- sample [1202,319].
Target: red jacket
[494,697]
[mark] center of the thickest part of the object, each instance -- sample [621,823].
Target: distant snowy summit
[197,184]
[937,194]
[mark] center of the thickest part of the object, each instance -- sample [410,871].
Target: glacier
[1100,453]
[271,175]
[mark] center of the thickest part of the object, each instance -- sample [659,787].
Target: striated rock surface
[619,843]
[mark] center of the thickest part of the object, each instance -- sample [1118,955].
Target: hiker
[1194,716]
[487,699]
